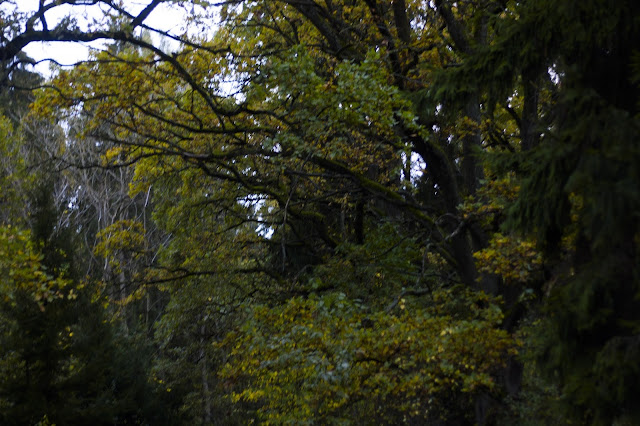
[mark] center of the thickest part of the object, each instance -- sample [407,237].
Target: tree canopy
[345,211]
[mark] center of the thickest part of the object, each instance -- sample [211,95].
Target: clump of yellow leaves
[328,359]
[21,270]
[514,259]
[489,202]
[122,236]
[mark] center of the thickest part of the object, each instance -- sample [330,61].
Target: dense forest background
[322,212]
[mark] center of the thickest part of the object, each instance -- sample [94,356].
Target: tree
[315,146]
[589,184]
[348,91]
[61,358]
[576,177]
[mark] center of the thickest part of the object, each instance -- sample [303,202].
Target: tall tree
[61,357]
[287,169]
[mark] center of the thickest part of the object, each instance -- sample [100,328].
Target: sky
[66,53]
